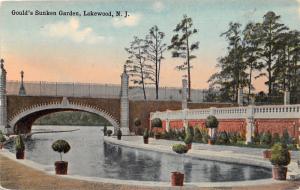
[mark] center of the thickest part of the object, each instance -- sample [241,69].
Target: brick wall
[278,126]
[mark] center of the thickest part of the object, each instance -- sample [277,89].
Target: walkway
[18,174]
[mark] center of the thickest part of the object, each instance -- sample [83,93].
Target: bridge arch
[32,113]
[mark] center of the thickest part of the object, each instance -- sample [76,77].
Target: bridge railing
[278,111]
[98,91]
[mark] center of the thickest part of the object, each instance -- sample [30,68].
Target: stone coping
[202,154]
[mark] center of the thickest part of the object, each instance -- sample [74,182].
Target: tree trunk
[188,64]
[156,67]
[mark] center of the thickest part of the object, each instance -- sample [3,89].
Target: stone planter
[211,142]
[20,155]
[279,172]
[189,146]
[157,136]
[61,167]
[177,179]
[267,154]
[146,140]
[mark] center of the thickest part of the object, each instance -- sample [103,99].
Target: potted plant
[20,147]
[188,139]
[2,139]
[177,177]
[61,146]
[146,136]
[267,154]
[212,123]
[105,130]
[137,123]
[109,132]
[156,123]
[119,134]
[280,158]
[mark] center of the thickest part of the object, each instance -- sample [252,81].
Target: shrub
[232,138]
[205,136]
[61,146]
[285,137]
[156,123]
[180,148]
[180,134]
[198,135]
[109,132]
[105,130]
[20,147]
[119,132]
[266,138]
[280,155]
[256,137]
[223,138]
[137,122]
[146,133]
[188,137]
[211,122]
[275,138]
[190,129]
[2,138]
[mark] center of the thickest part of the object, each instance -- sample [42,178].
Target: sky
[91,49]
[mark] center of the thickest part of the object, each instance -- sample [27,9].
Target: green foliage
[154,50]
[180,148]
[146,133]
[223,138]
[137,67]
[266,138]
[72,118]
[205,136]
[268,48]
[61,146]
[19,144]
[119,132]
[233,138]
[137,122]
[285,137]
[109,132]
[188,137]
[280,155]
[198,135]
[2,138]
[211,122]
[276,138]
[191,130]
[105,130]
[156,123]
[182,46]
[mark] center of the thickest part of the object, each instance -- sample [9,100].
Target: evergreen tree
[182,46]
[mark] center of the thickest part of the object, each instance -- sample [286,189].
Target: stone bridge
[19,112]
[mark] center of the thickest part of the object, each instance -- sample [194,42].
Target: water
[90,156]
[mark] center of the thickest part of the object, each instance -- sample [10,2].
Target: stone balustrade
[279,117]
[277,111]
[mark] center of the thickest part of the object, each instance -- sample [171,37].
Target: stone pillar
[185,120]
[286,97]
[250,127]
[184,94]
[124,121]
[240,97]
[168,122]
[167,125]
[212,132]
[3,100]
[22,91]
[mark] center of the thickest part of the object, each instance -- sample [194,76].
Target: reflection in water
[90,156]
